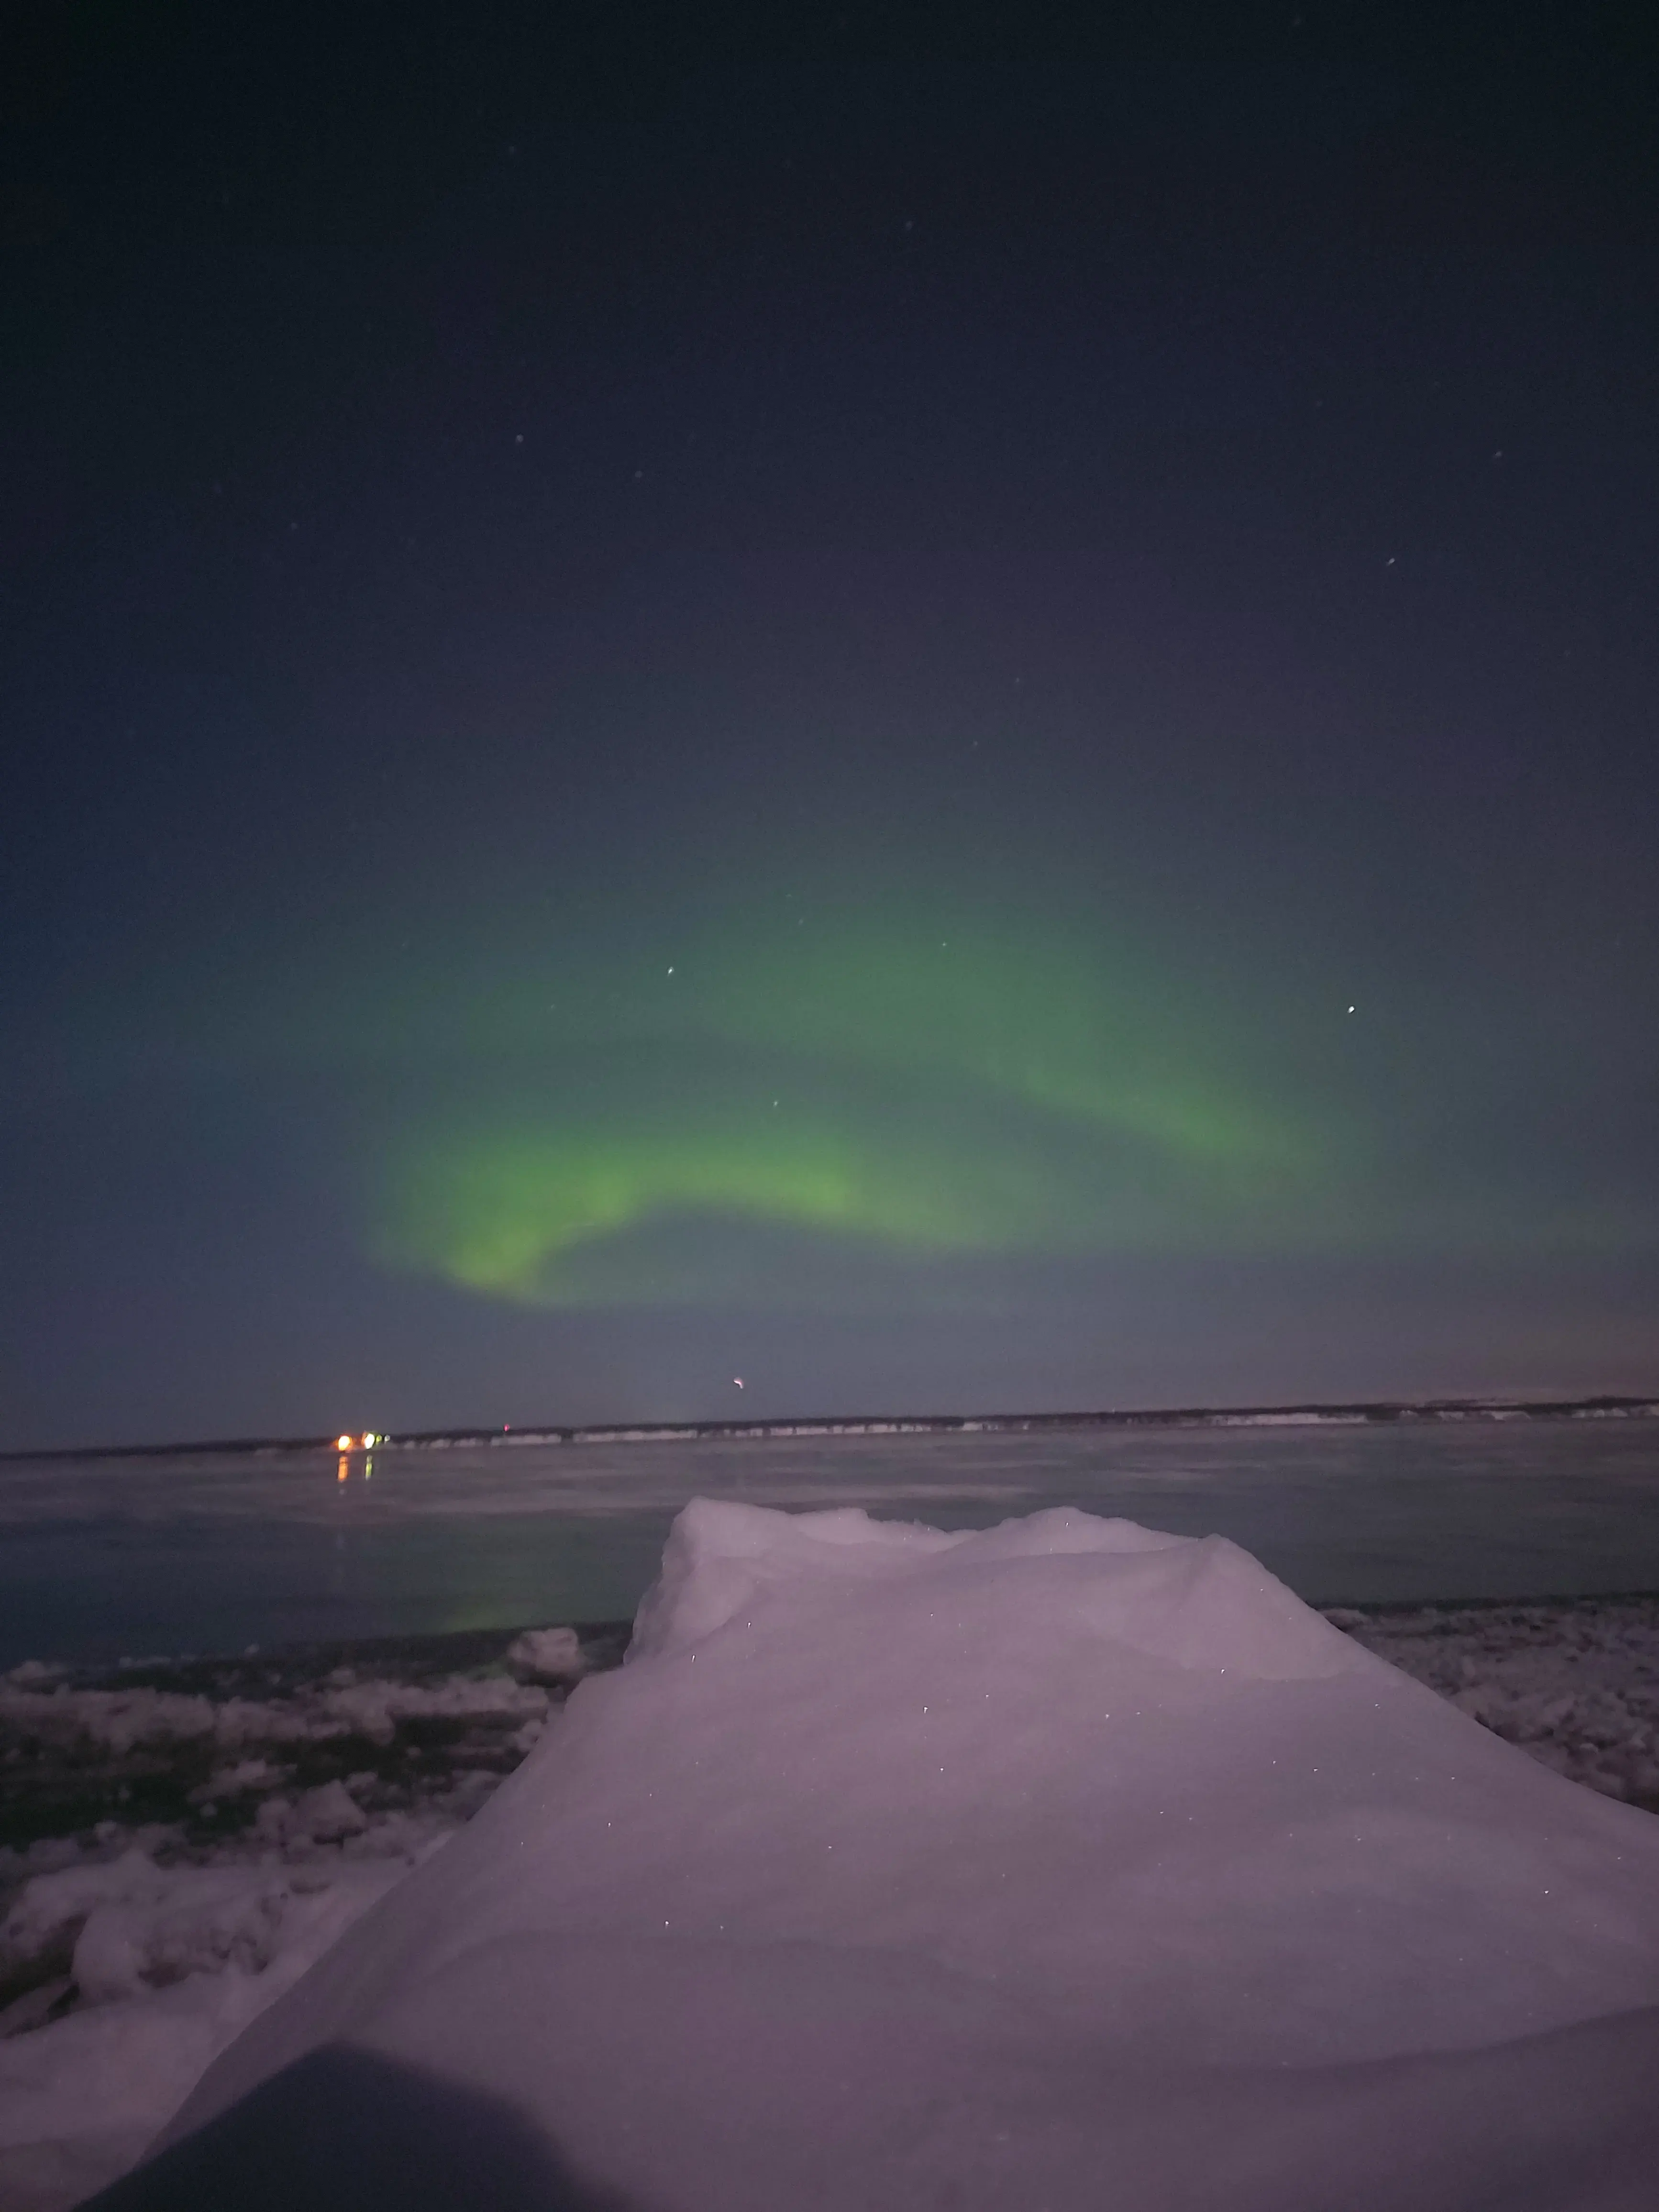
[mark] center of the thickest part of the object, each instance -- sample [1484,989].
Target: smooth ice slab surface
[1060,1861]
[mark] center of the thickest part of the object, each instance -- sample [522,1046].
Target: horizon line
[1311,1413]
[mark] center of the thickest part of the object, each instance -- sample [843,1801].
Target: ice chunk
[322,1815]
[547,1655]
[1202,1603]
[1061,1863]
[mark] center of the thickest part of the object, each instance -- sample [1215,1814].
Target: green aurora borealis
[898,1085]
[835,1111]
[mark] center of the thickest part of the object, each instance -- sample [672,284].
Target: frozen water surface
[199,1552]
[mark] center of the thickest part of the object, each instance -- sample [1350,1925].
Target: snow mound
[1062,1863]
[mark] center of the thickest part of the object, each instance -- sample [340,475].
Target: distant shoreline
[1358,1413]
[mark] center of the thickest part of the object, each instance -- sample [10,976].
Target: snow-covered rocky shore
[183,1840]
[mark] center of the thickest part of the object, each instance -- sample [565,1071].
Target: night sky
[947,709]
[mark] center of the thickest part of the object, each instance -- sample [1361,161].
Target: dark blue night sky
[950,710]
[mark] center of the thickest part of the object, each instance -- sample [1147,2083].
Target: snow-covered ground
[952,1820]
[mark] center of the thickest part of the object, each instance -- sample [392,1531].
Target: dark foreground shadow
[345,2131]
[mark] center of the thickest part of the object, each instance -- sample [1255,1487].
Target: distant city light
[345,1444]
